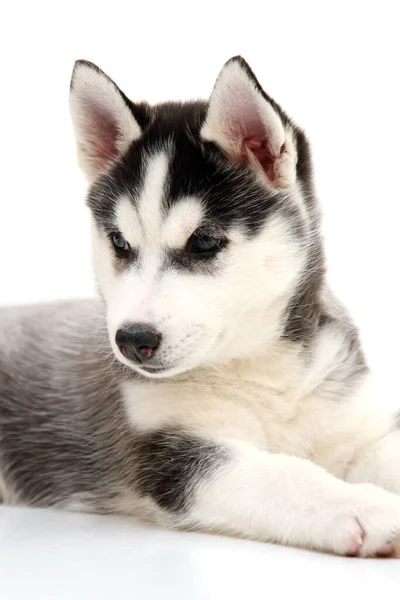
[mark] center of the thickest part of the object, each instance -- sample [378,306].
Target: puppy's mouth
[158,371]
[151,371]
[154,372]
[151,368]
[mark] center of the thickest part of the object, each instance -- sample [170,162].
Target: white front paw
[365,522]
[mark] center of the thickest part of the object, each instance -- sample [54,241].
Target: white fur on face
[182,220]
[203,318]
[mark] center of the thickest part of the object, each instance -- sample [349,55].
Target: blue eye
[120,242]
[204,246]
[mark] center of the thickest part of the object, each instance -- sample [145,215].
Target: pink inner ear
[259,148]
[254,141]
[102,135]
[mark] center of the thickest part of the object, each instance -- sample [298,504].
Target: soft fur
[253,415]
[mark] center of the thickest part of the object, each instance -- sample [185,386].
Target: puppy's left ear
[102,118]
[249,127]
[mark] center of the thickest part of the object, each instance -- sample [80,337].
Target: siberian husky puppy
[217,384]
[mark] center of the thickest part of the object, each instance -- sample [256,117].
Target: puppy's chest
[258,410]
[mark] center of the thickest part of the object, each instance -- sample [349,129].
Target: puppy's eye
[120,242]
[204,246]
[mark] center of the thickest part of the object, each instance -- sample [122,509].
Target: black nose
[137,341]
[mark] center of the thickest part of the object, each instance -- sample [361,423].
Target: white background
[335,68]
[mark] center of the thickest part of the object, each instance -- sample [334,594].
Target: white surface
[54,555]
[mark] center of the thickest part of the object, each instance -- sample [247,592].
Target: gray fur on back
[60,412]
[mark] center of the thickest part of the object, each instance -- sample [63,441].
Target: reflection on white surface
[52,555]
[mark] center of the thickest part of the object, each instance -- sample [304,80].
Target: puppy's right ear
[102,119]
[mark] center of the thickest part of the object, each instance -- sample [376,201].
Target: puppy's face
[200,231]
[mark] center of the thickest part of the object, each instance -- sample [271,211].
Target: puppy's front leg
[379,463]
[236,488]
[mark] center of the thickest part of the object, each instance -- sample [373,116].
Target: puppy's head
[204,235]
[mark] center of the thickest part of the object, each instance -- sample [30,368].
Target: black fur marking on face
[229,192]
[171,462]
[188,260]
